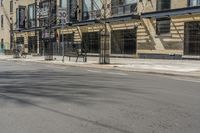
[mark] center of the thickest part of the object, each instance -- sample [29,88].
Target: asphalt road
[41,98]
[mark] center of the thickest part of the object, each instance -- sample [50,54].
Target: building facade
[126,28]
[172,28]
[4,26]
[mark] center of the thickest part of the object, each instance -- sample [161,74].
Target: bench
[76,53]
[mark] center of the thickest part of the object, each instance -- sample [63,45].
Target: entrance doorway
[32,44]
[20,43]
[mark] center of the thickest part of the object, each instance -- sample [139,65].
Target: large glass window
[120,7]
[193,2]
[163,5]
[71,7]
[91,42]
[123,41]
[20,17]
[92,9]
[192,38]
[44,14]
[31,16]
[64,3]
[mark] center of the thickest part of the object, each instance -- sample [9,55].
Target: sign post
[63,17]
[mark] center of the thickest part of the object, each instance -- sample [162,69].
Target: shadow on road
[22,87]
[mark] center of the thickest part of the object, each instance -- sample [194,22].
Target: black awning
[28,30]
[108,20]
[172,12]
[123,18]
[84,22]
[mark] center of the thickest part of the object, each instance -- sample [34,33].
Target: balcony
[123,9]
[91,15]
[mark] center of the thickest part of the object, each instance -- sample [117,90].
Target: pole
[36,36]
[48,50]
[63,45]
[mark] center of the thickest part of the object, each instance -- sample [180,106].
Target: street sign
[63,15]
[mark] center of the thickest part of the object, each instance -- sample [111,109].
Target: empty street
[41,98]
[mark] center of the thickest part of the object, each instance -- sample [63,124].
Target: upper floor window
[11,6]
[2,21]
[120,7]
[31,16]
[1,2]
[193,2]
[163,5]
[44,14]
[20,17]
[92,9]
[2,43]
[71,7]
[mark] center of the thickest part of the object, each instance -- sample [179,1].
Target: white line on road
[182,79]
[94,71]
[185,79]
[113,73]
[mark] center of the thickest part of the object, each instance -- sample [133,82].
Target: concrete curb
[113,67]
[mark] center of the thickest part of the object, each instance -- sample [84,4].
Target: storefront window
[91,42]
[123,42]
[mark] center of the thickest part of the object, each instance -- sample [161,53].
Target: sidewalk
[168,67]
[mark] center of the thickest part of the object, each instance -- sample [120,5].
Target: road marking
[112,73]
[94,71]
[115,73]
[188,80]
[182,79]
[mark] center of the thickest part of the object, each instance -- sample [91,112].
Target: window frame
[197,4]
[2,43]
[1,2]
[11,6]
[93,12]
[33,14]
[161,22]
[18,17]
[120,7]
[159,5]
[2,21]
